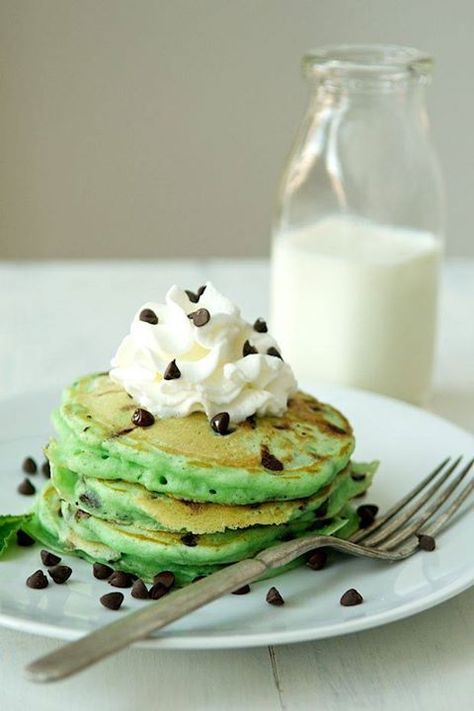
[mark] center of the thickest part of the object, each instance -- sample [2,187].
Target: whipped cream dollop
[196,353]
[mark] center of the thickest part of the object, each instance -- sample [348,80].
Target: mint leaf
[9,525]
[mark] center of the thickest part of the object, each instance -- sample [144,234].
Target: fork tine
[444,517]
[360,535]
[410,509]
[415,525]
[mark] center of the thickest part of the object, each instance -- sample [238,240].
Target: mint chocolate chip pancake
[269,458]
[196,450]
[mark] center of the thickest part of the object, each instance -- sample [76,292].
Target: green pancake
[127,503]
[61,526]
[184,458]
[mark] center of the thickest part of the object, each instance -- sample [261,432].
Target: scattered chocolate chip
[165,577]
[112,601]
[317,559]
[194,298]
[101,571]
[80,514]
[142,418]
[220,423]
[140,590]
[37,580]
[149,316]
[274,597]
[351,597]
[60,573]
[425,542]
[322,510]
[49,559]
[158,590]
[269,461]
[248,349]
[119,579]
[26,488]
[200,317]
[46,469]
[23,539]
[355,476]
[172,371]
[29,466]
[241,591]
[252,420]
[189,539]
[260,326]
[272,351]
[91,499]
[367,514]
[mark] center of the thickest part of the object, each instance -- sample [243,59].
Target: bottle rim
[370,61]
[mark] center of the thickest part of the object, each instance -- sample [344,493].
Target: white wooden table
[60,319]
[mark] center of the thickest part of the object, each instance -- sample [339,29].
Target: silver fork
[392,537]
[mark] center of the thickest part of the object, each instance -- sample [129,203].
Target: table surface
[59,319]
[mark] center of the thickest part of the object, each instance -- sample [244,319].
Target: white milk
[354,303]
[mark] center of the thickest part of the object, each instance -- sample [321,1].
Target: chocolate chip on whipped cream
[172,371]
[260,326]
[248,349]
[148,316]
[214,374]
[274,352]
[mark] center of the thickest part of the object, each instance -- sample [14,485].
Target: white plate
[408,441]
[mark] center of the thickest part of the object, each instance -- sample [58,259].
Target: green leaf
[9,525]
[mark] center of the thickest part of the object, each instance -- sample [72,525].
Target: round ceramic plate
[409,443]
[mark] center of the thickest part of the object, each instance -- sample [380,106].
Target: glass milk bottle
[357,237]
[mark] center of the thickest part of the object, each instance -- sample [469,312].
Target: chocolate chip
[194,298]
[26,488]
[241,591]
[149,316]
[60,573]
[189,539]
[201,291]
[425,542]
[367,514]
[23,539]
[29,466]
[46,469]
[200,317]
[248,349]
[260,326]
[172,371]
[357,477]
[274,352]
[140,590]
[37,580]
[165,577]
[322,510]
[220,423]
[252,420]
[142,418]
[101,571]
[90,499]
[351,597]
[274,597]
[49,559]
[317,559]
[269,461]
[119,579]
[112,601]
[158,590]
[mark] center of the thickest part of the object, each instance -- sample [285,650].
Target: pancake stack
[178,496]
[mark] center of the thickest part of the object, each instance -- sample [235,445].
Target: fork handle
[82,653]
